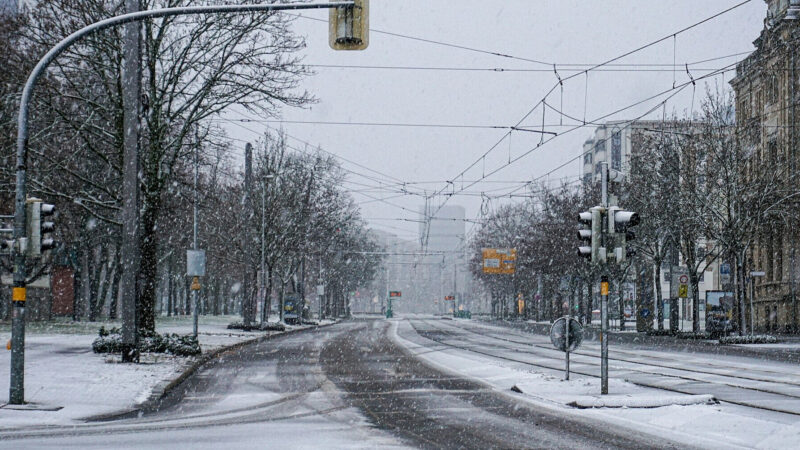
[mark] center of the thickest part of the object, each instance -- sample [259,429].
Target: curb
[164,387]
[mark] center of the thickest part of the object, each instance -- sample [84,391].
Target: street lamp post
[16,385]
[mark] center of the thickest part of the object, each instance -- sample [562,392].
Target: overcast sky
[560,32]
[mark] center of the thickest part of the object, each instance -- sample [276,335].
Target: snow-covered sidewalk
[690,420]
[61,371]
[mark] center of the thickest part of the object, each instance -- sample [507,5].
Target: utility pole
[604,293]
[131,100]
[455,287]
[262,284]
[195,314]
[247,299]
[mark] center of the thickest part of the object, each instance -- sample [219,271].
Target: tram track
[488,349]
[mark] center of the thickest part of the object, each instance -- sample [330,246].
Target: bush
[754,339]
[692,335]
[110,341]
[660,333]
[269,326]
[273,326]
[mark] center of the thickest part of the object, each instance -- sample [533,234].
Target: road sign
[675,282]
[195,263]
[645,313]
[320,289]
[499,261]
[395,294]
[683,291]
[558,335]
[195,284]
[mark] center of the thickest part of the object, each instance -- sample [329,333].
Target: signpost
[392,294]
[499,261]
[566,341]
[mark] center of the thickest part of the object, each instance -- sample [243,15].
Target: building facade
[766,85]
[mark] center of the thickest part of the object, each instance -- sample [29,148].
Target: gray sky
[555,32]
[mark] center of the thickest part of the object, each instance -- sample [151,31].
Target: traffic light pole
[19,295]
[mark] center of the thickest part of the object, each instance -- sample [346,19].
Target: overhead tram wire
[368,177]
[385,175]
[435,42]
[627,123]
[597,66]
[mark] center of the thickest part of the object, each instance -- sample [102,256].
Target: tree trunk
[659,295]
[146,319]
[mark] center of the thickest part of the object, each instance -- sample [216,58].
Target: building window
[587,158]
[772,89]
[616,151]
[600,146]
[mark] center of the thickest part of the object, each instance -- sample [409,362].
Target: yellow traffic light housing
[349,26]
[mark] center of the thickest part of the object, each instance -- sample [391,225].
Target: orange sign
[604,288]
[395,294]
[502,261]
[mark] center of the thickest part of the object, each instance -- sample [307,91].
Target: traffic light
[36,227]
[619,226]
[349,26]
[593,219]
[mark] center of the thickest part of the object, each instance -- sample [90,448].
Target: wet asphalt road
[344,386]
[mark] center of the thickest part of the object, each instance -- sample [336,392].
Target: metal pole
[752,295]
[247,298]
[262,285]
[604,296]
[195,313]
[131,86]
[130,244]
[566,336]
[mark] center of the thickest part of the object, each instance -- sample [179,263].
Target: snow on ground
[62,371]
[704,425]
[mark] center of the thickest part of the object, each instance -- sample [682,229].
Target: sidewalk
[61,371]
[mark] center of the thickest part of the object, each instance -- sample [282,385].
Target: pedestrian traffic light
[593,219]
[349,26]
[36,228]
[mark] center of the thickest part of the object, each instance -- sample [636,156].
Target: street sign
[195,284]
[195,263]
[683,291]
[558,335]
[499,261]
[675,282]
[450,297]
[320,289]
[395,294]
[758,274]
[725,273]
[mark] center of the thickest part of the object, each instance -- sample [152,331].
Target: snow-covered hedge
[754,339]
[660,333]
[110,341]
[269,326]
[692,335]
